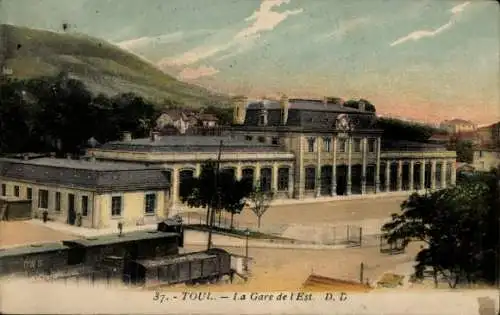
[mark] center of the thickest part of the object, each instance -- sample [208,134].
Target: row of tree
[220,191]
[60,114]
[459,227]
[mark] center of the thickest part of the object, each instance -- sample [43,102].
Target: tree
[459,226]
[260,201]
[60,113]
[228,195]
[234,193]
[396,129]
[356,104]
[464,149]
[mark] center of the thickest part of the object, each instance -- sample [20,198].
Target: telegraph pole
[217,196]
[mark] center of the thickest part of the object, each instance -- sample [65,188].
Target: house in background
[489,135]
[174,118]
[458,126]
[179,122]
[484,158]
[207,120]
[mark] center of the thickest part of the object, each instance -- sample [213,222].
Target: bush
[45,216]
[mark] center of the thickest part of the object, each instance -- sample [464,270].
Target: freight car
[197,267]
[49,258]
[33,259]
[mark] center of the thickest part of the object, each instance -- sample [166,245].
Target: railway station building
[298,148]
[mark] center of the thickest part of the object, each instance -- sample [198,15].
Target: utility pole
[217,195]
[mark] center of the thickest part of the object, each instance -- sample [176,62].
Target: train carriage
[187,268]
[35,259]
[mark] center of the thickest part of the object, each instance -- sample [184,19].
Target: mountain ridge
[101,65]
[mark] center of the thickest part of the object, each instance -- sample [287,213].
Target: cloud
[146,41]
[417,35]
[195,73]
[264,19]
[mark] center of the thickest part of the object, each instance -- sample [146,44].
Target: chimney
[285,105]
[127,136]
[92,158]
[361,105]
[155,136]
[52,154]
[325,101]
[25,157]
[68,156]
[239,104]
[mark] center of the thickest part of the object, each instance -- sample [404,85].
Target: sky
[428,60]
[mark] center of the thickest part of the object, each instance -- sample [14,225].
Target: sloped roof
[93,175]
[191,143]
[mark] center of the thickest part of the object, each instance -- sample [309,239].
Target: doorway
[71,209]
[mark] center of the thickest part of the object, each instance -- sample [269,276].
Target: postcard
[249,157]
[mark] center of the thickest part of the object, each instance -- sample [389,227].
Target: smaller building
[484,159]
[89,193]
[458,126]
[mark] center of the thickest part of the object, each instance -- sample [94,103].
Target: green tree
[459,226]
[224,114]
[260,201]
[464,149]
[396,129]
[357,103]
[228,195]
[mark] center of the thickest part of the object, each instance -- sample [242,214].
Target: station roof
[93,175]
[191,143]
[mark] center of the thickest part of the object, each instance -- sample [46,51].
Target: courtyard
[14,233]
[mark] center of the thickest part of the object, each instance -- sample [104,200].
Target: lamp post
[247,234]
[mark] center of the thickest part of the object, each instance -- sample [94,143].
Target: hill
[103,67]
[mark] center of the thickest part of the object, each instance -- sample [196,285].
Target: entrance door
[71,209]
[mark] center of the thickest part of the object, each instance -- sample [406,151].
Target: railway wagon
[35,259]
[129,246]
[190,268]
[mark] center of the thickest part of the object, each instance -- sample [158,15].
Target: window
[327,144]
[275,140]
[310,144]
[85,205]
[310,183]
[150,203]
[480,155]
[371,145]
[341,145]
[248,138]
[58,201]
[283,178]
[16,191]
[29,193]
[4,189]
[262,139]
[357,145]
[116,206]
[43,199]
